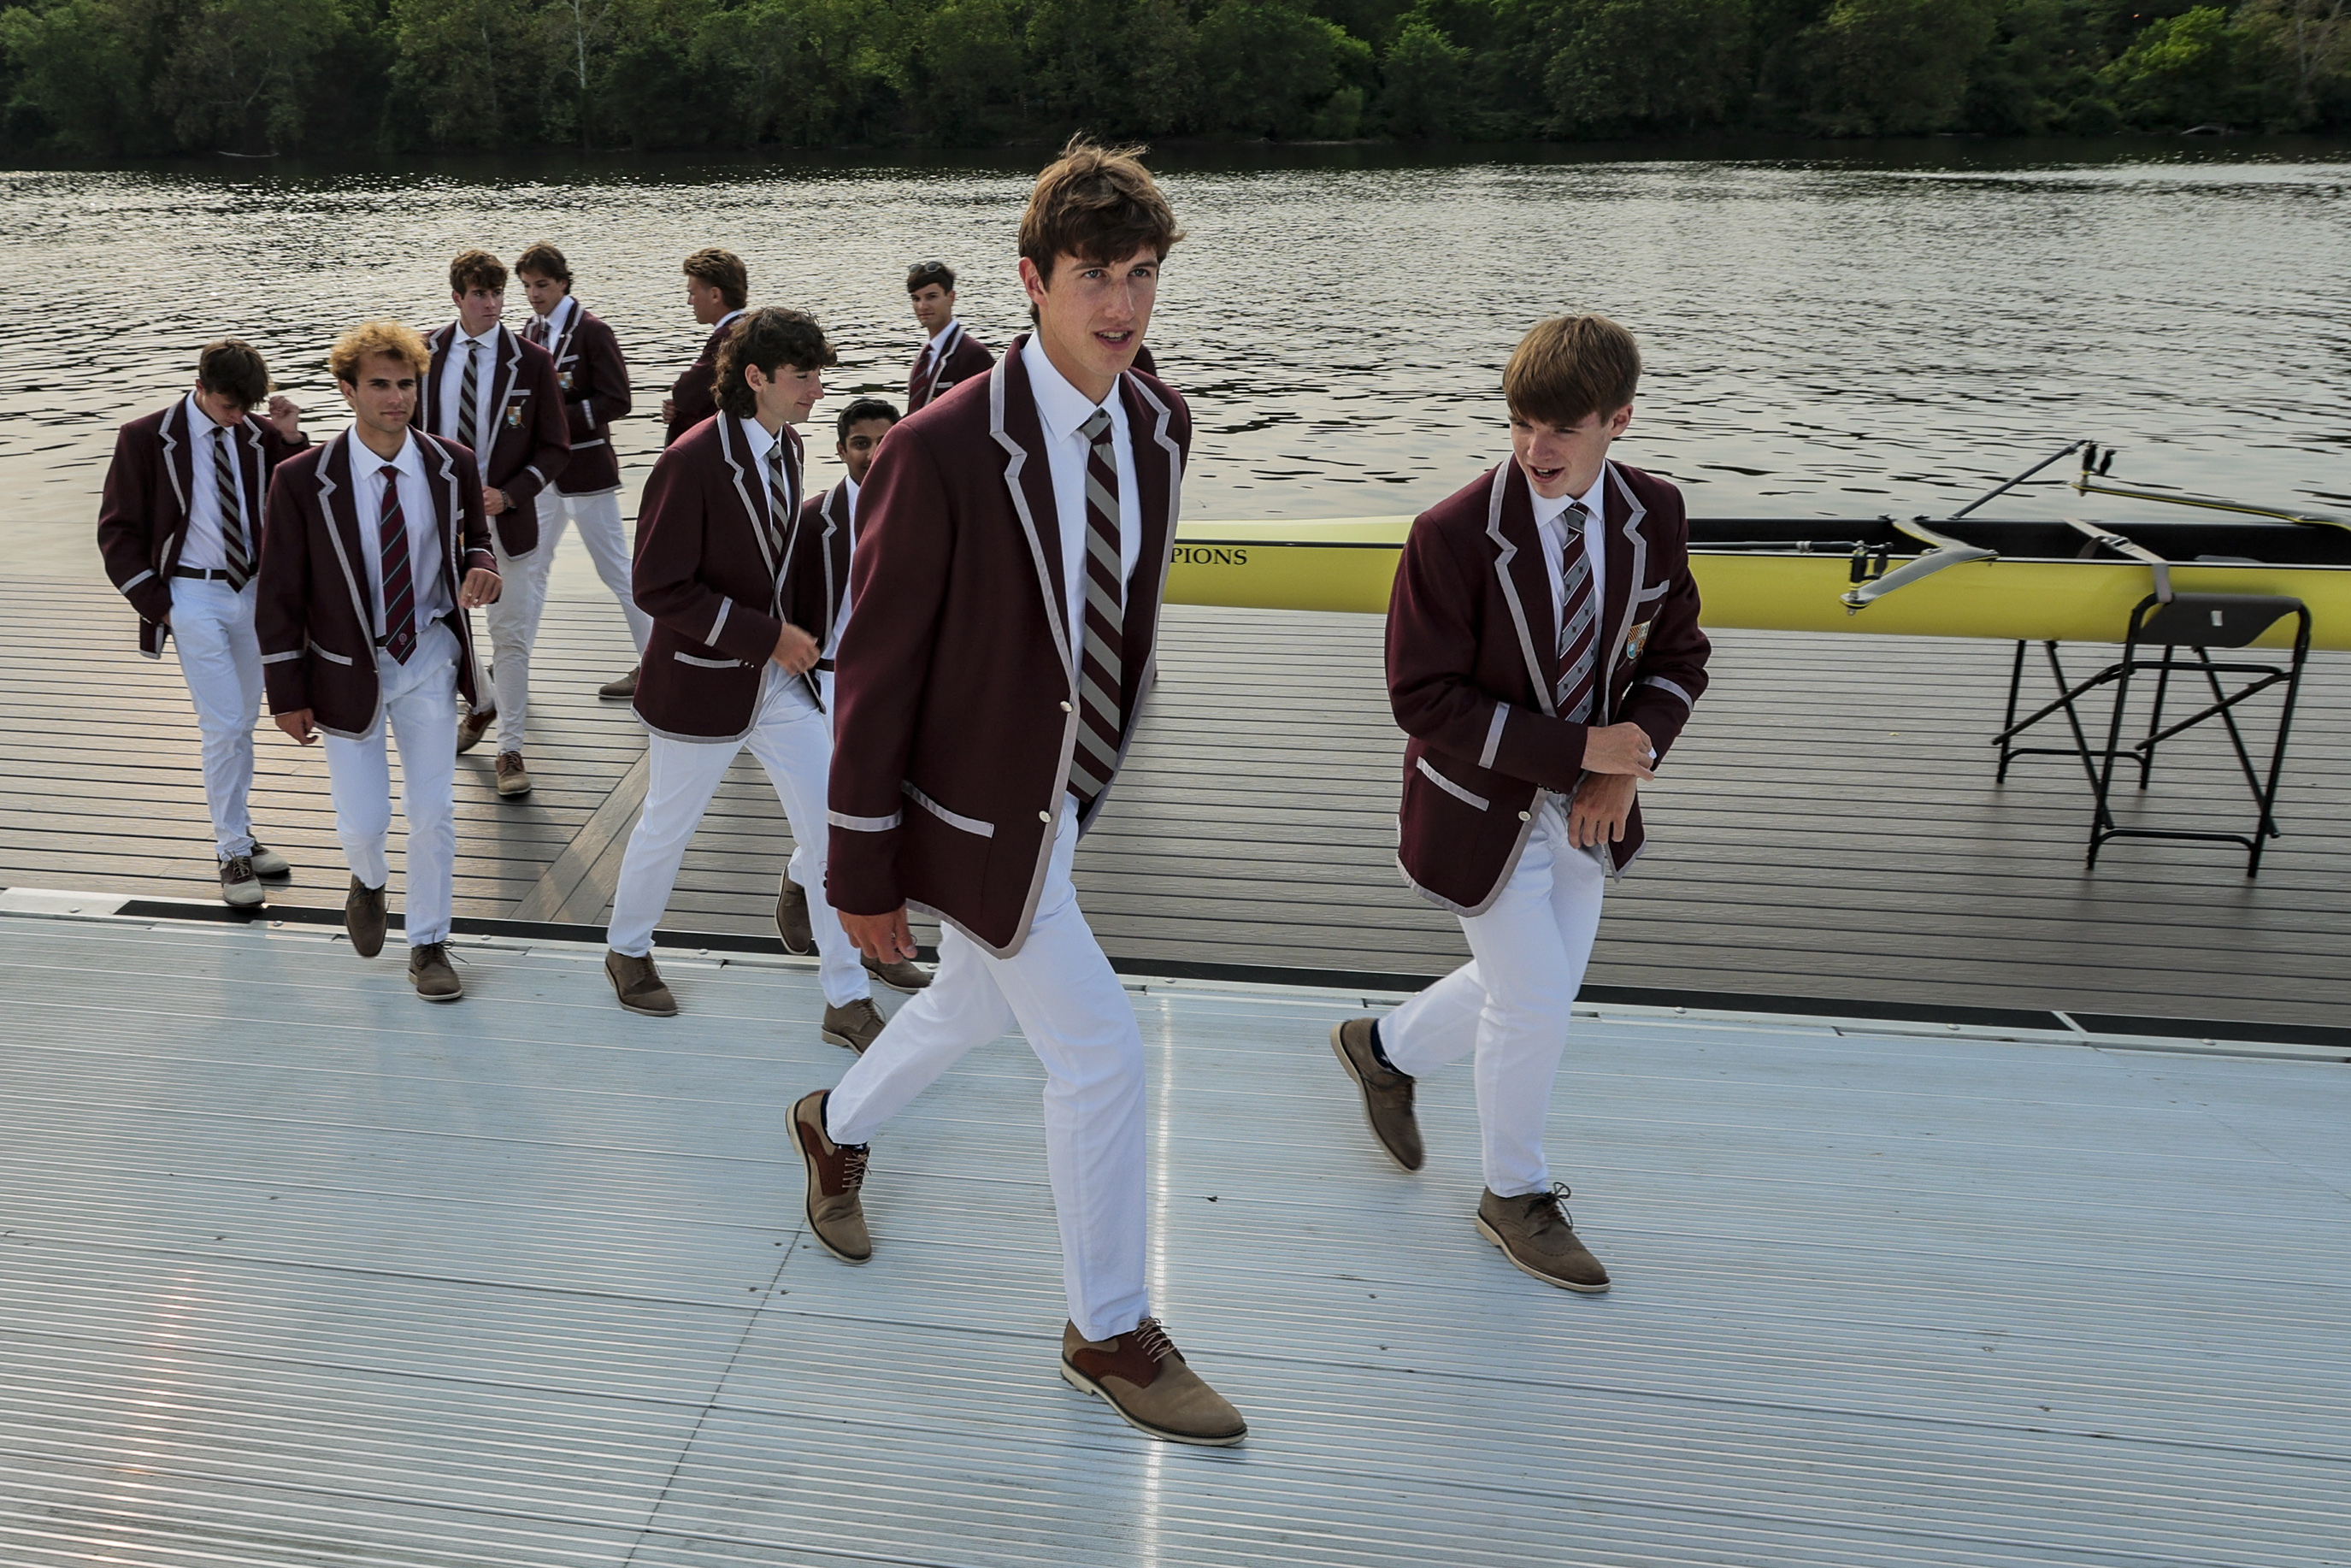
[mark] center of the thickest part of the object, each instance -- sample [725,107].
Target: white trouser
[221,660]
[599,520]
[793,742]
[1512,1002]
[1063,996]
[513,621]
[420,711]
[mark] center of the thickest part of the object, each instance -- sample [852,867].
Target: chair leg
[2015,689]
[2155,719]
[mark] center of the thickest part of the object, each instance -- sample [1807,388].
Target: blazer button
[1065,708]
[1526,816]
[1046,817]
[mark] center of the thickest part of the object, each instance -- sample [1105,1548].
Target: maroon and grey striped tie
[1579,622]
[399,580]
[1101,659]
[234,553]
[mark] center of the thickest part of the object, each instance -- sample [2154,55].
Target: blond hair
[396,339]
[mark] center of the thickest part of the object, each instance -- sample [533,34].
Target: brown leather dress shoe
[472,726]
[898,973]
[240,885]
[1388,1093]
[430,971]
[618,691]
[792,919]
[638,986]
[835,1172]
[1147,1380]
[856,1026]
[364,919]
[514,778]
[1536,1235]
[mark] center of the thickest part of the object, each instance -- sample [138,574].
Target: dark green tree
[1619,66]
[1891,67]
[1425,76]
[1269,69]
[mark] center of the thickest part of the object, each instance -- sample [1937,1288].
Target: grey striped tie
[1101,657]
[232,512]
[779,505]
[469,423]
[1579,622]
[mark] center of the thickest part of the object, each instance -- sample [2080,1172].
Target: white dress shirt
[937,347]
[424,525]
[551,326]
[474,431]
[724,321]
[1061,409]
[1553,531]
[202,548]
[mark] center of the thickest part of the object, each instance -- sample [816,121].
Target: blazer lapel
[1628,565]
[1159,485]
[255,478]
[179,458]
[443,466]
[1012,422]
[339,494]
[735,449]
[1525,579]
[509,370]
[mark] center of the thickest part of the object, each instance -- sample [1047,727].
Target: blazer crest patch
[1636,640]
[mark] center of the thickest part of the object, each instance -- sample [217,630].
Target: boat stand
[2196,622]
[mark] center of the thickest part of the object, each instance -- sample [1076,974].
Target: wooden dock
[1828,833]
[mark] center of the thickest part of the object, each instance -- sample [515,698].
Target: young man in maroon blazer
[376,546]
[717,287]
[595,382]
[180,530]
[497,396]
[1012,551]
[826,540]
[737,599]
[1543,651]
[950,356]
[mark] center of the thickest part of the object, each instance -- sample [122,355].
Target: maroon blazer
[966,358]
[955,696]
[817,577]
[142,518]
[594,380]
[316,615]
[1473,659]
[694,395]
[707,575]
[532,443]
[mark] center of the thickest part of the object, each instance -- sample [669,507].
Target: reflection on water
[1824,335]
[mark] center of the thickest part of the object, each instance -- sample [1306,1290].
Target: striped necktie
[779,507]
[399,580]
[1101,661]
[1579,620]
[468,413]
[232,512]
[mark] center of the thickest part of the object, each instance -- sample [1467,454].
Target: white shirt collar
[1060,407]
[850,484]
[488,339]
[939,341]
[755,436]
[552,322]
[199,421]
[1548,509]
[724,321]
[410,460]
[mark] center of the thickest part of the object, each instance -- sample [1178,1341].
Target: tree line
[116,78]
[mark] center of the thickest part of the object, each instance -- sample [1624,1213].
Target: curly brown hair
[1098,203]
[767,336]
[476,269]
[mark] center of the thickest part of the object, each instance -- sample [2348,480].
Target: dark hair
[233,366]
[923,274]
[723,270]
[859,411]
[476,269]
[547,261]
[1572,367]
[1098,203]
[767,336]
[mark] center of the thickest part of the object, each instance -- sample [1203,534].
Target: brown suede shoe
[514,778]
[618,691]
[472,726]
[1146,1380]
[900,976]
[835,1172]
[856,1026]
[1538,1235]
[434,978]
[268,863]
[1388,1093]
[638,986]
[792,919]
[240,885]
[364,918]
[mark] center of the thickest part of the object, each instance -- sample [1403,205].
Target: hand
[669,409]
[297,724]
[1620,748]
[480,587]
[285,414]
[884,938]
[494,501]
[796,650]
[1597,813]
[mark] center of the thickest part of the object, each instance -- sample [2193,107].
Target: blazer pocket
[702,664]
[952,819]
[330,655]
[1449,787]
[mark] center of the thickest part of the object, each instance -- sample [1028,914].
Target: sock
[1379,1052]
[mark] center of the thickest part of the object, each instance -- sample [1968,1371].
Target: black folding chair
[2196,622]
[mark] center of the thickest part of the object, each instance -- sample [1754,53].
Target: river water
[1828,331]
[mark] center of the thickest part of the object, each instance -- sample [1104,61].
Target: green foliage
[116,78]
